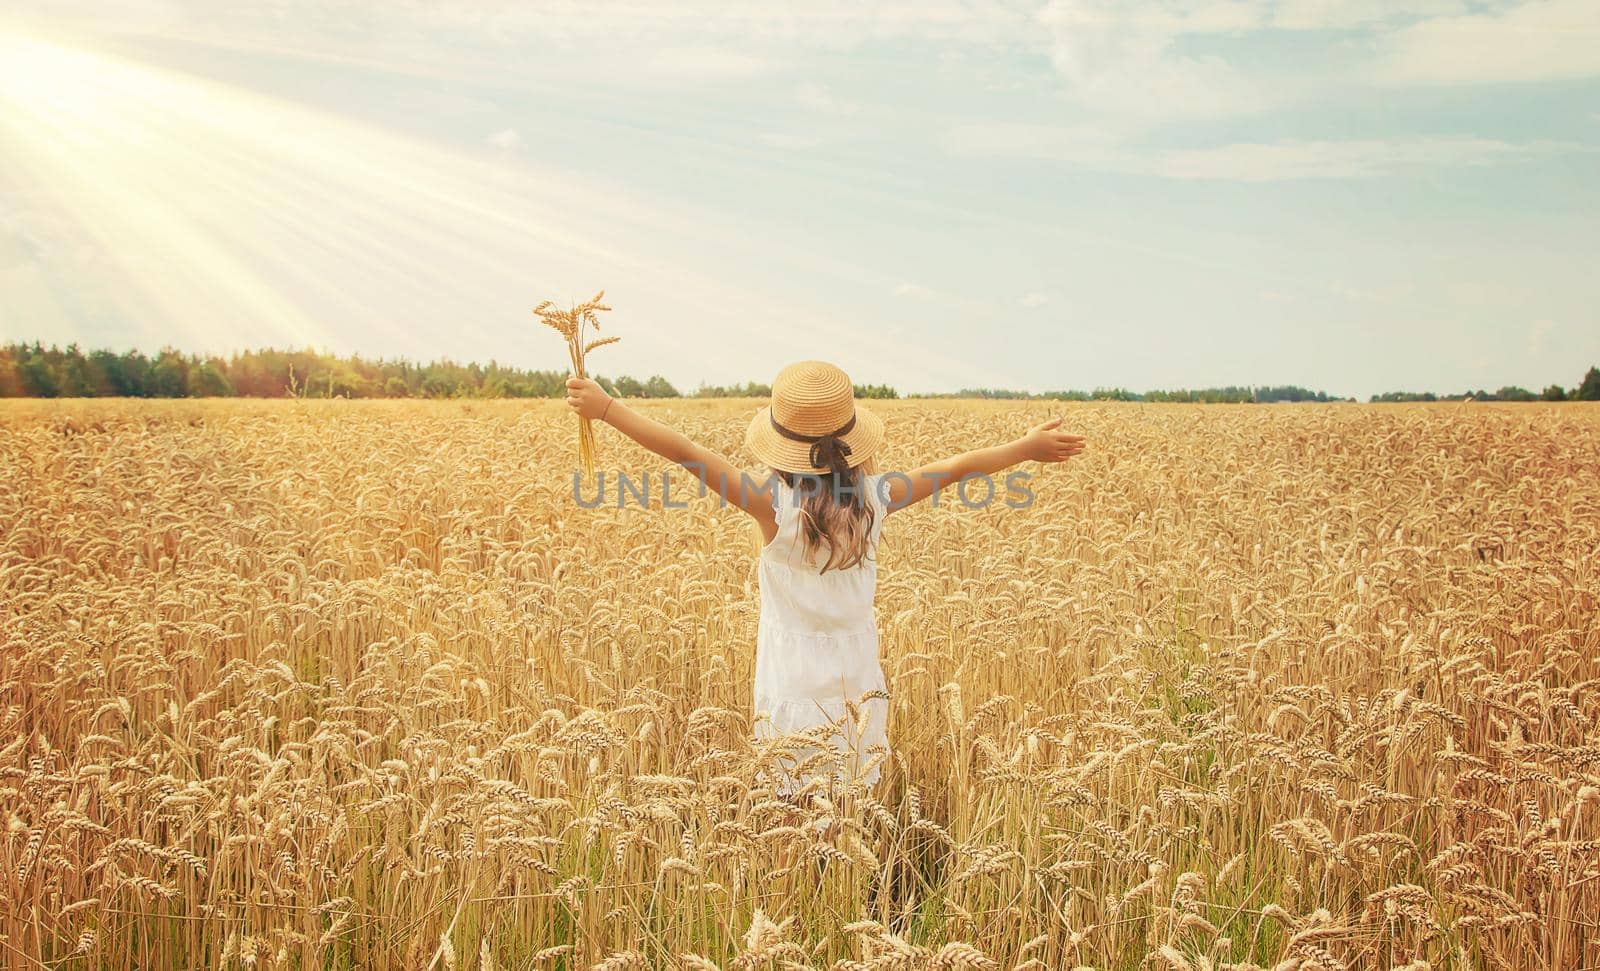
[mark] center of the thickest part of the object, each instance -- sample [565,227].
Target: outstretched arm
[1043,443]
[715,472]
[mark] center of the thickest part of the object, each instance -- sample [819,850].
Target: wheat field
[357,684]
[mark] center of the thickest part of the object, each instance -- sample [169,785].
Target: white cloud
[1242,161]
[1034,299]
[818,97]
[1347,159]
[1547,40]
[790,141]
[698,64]
[913,290]
[506,140]
[1141,62]
[1130,64]
[1135,64]
[1013,140]
[1358,14]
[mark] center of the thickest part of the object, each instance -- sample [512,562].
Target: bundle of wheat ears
[573,323]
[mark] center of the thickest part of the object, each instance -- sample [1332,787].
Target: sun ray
[254,220]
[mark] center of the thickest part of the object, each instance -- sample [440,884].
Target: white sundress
[817,646]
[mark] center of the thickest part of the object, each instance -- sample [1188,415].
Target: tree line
[1231,394]
[36,371]
[1587,390]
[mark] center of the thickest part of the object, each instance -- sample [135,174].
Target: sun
[42,76]
[121,160]
[256,220]
[176,207]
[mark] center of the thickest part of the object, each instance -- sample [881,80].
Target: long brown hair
[835,515]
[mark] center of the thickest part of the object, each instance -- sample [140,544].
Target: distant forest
[36,371]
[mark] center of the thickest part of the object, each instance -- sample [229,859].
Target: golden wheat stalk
[572,324]
[419,726]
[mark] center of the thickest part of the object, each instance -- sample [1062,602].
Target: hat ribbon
[827,451]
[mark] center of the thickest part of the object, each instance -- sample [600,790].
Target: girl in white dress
[820,513]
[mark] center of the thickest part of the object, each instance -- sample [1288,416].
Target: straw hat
[813,422]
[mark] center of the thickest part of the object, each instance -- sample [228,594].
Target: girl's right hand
[1046,442]
[586,397]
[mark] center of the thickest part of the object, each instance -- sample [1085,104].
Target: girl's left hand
[1046,442]
[586,397]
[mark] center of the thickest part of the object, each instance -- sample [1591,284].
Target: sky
[1351,196]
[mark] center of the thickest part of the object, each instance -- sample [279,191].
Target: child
[820,513]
